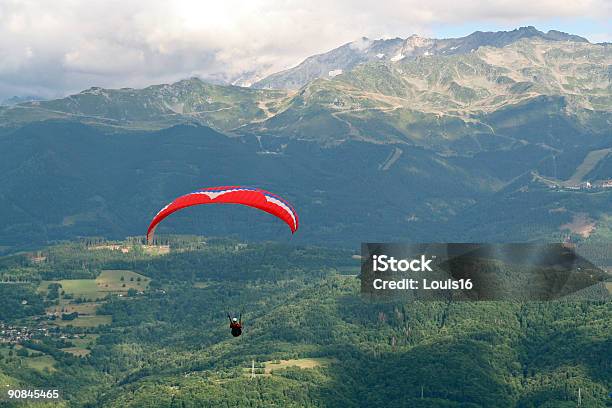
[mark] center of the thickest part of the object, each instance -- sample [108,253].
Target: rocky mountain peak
[363,50]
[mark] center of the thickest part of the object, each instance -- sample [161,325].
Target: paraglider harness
[236,326]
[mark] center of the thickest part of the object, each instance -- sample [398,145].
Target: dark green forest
[63,180]
[169,345]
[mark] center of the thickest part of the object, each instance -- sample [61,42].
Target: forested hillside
[63,180]
[152,331]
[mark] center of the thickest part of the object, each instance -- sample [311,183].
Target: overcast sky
[53,47]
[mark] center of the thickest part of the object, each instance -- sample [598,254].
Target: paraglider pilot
[236,325]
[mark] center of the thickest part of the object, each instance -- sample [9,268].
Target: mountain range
[419,139]
[348,56]
[435,88]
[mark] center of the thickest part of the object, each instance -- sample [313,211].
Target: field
[109,281]
[85,321]
[76,351]
[80,345]
[36,363]
[116,282]
[40,363]
[87,308]
[303,363]
[85,288]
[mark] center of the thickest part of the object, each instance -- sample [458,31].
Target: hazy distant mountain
[15,100]
[154,107]
[348,56]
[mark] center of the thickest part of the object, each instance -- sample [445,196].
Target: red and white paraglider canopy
[251,197]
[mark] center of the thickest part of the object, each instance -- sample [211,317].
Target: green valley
[309,336]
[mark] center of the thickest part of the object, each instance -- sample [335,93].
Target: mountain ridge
[410,100]
[349,55]
[413,100]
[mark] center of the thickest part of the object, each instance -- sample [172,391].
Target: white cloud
[54,47]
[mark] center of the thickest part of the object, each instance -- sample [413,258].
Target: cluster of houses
[17,335]
[20,334]
[586,185]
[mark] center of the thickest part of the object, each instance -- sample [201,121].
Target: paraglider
[251,197]
[235,325]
